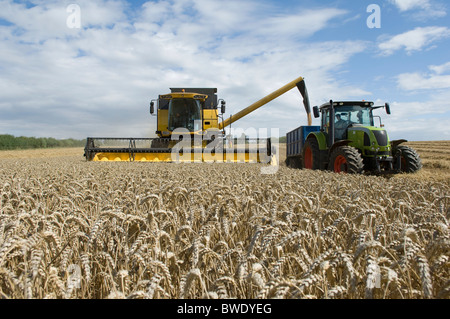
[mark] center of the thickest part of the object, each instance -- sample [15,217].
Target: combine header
[191,128]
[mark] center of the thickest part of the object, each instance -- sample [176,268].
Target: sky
[79,68]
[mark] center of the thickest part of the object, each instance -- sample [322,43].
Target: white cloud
[414,40]
[420,119]
[406,5]
[425,114]
[48,19]
[299,24]
[98,80]
[417,81]
[435,80]
[439,69]
[421,9]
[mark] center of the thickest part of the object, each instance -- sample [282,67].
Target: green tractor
[348,141]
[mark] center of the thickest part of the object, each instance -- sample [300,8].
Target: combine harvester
[190,128]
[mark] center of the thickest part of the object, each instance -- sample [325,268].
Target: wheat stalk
[219,231]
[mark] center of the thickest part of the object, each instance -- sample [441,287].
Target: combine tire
[311,154]
[410,159]
[346,159]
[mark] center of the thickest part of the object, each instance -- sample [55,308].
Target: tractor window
[354,114]
[183,113]
[366,117]
[348,115]
[326,120]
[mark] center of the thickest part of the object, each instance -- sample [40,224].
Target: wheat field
[76,229]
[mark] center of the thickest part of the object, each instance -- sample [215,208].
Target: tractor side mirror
[222,106]
[152,107]
[316,112]
[388,108]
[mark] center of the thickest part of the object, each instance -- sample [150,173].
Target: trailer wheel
[294,162]
[410,160]
[311,154]
[346,159]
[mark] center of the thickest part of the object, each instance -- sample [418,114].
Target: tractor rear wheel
[311,154]
[346,159]
[410,160]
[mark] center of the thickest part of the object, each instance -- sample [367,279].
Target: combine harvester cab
[191,128]
[348,141]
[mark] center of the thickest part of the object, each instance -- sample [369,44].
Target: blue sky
[62,81]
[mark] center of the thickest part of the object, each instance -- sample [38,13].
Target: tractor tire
[289,162]
[346,159]
[311,155]
[410,160]
[294,162]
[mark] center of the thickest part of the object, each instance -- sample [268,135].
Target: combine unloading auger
[189,130]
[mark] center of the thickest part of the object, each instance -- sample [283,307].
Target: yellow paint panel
[163,120]
[140,157]
[184,158]
[211,117]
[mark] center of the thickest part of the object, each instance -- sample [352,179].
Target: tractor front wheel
[346,159]
[410,160]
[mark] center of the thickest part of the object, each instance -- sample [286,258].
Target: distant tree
[9,142]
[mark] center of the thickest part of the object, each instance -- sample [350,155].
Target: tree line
[10,142]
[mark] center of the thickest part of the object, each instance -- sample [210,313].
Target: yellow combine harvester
[190,128]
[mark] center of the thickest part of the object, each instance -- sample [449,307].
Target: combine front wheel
[346,159]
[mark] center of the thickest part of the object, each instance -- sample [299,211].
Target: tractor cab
[346,115]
